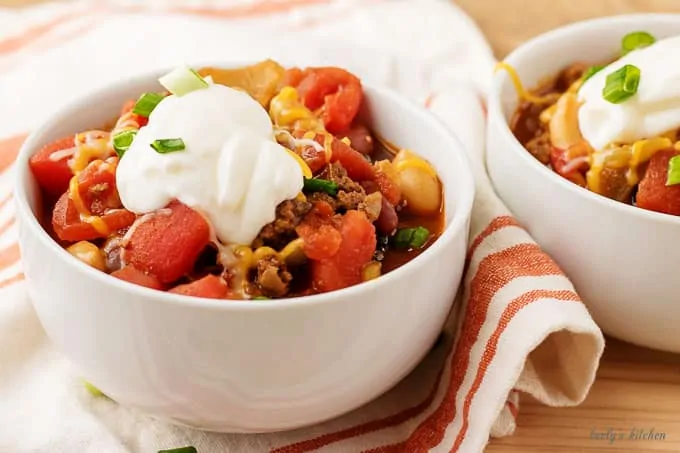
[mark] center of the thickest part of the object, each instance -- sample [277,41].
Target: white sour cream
[655,108]
[232,170]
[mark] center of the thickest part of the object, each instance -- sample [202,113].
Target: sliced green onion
[320,185]
[636,40]
[621,84]
[261,298]
[189,449]
[168,145]
[591,71]
[123,141]
[673,171]
[420,237]
[146,103]
[403,237]
[94,391]
[414,238]
[182,81]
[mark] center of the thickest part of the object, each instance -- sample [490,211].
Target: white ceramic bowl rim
[463,209]
[560,34]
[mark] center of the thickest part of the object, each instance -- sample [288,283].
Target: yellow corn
[371,271]
[286,110]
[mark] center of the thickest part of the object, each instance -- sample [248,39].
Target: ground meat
[322,196]
[337,173]
[273,278]
[350,193]
[540,147]
[569,75]
[350,200]
[282,230]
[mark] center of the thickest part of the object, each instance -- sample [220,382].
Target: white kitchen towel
[522,326]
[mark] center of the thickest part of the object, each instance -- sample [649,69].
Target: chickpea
[89,254]
[419,184]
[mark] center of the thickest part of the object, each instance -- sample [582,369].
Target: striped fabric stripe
[495,271]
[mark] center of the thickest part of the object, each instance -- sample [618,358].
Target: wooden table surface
[636,389]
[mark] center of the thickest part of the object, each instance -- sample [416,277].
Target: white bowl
[623,260]
[235,366]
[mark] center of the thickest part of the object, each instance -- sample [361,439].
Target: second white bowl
[623,260]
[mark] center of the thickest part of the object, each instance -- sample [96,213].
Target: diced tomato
[53,176]
[69,226]
[335,90]
[97,186]
[127,107]
[388,188]
[358,168]
[653,193]
[133,275]
[356,249]
[315,158]
[209,287]
[560,160]
[319,243]
[321,238]
[167,245]
[292,77]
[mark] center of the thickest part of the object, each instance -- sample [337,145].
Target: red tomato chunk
[52,175]
[653,193]
[209,287]
[167,245]
[69,225]
[355,251]
[133,275]
[336,91]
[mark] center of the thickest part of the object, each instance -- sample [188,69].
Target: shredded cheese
[521,91]
[641,152]
[286,110]
[624,156]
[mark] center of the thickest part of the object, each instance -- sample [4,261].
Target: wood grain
[635,388]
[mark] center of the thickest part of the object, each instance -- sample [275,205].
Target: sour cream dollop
[232,170]
[655,108]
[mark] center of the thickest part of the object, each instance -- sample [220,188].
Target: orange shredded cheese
[519,87]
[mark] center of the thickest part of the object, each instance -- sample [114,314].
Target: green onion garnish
[320,185]
[636,40]
[673,171]
[621,84]
[420,237]
[182,81]
[122,141]
[415,238]
[168,145]
[146,103]
[189,449]
[591,71]
[261,298]
[94,391]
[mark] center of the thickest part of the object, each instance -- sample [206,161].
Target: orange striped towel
[521,327]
